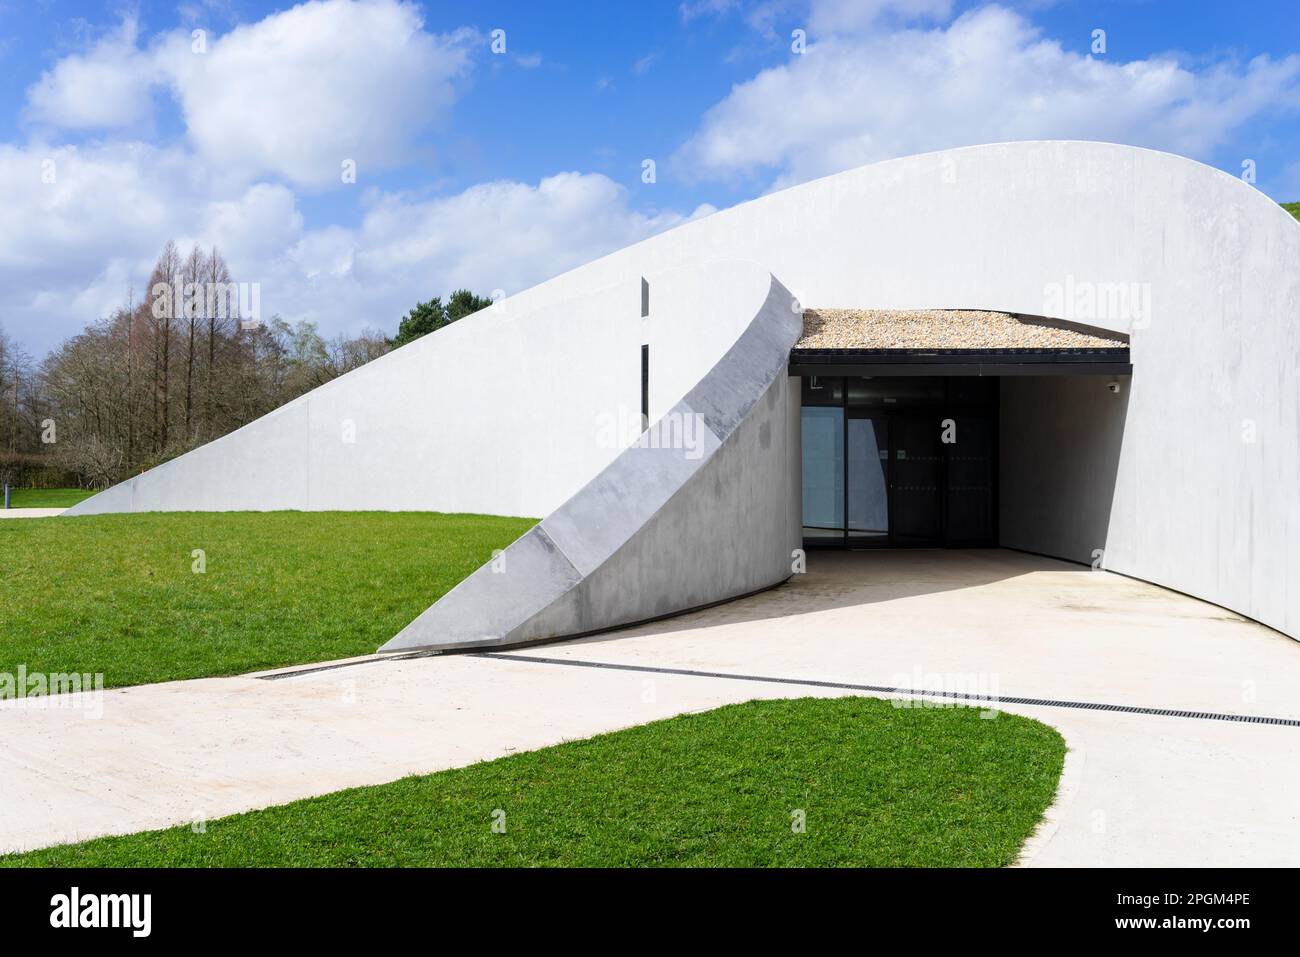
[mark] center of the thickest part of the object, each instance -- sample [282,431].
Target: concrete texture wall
[664,527]
[1205,497]
[1059,445]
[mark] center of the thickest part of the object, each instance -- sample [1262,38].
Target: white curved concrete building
[1135,407]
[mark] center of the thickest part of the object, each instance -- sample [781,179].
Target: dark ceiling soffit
[910,362]
[967,368]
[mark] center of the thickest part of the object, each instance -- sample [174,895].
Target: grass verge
[47,497]
[877,785]
[121,594]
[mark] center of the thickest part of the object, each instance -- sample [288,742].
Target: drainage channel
[335,666]
[912,692]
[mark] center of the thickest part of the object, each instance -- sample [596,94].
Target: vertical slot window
[645,387]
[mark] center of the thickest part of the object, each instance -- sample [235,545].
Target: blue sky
[496,170]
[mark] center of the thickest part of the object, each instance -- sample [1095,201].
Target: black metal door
[916,477]
[970,485]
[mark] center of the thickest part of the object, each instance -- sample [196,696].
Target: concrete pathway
[1139,789]
[31,512]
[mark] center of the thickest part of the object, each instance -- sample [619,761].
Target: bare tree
[120,389]
[96,462]
[194,298]
[222,312]
[162,311]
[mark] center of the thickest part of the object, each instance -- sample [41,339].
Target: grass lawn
[1293,209]
[117,594]
[878,785]
[46,497]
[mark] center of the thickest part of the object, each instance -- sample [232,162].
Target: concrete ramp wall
[506,412]
[664,527]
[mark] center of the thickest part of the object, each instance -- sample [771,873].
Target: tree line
[184,363]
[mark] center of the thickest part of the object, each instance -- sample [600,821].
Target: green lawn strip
[878,785]
[46,497]
[118,594]
[1293,209]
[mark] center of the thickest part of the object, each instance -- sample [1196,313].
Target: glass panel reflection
[868,439]
[823,471]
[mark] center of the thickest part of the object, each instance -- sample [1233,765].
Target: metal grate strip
[885,689]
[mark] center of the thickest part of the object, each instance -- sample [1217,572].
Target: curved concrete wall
[664,527]
[1205,497]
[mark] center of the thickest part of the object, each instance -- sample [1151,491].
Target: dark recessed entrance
[899,460]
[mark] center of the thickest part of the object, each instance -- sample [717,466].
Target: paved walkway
[31,512]
[1139,788]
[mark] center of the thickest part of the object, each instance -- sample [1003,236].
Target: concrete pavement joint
[906,692]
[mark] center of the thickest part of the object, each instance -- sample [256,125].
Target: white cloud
[494,236]
[989,76]
[69,209]
[81,225]
[253,228]
[270,107]
[293,95]
[506,235]
[300,92]
[107,87]
[71,250]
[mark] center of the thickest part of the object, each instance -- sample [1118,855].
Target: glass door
[908,461]
[823,473]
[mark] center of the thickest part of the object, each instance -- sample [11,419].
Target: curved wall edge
[664,527]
